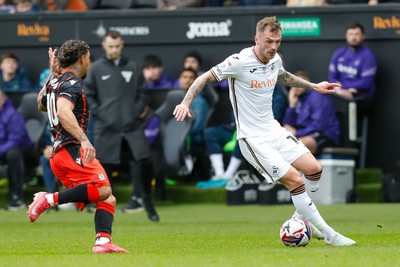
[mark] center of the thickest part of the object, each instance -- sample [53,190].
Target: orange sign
[41,31]
[381,23]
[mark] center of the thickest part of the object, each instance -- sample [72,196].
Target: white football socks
[233,166]
[307,209]
[102,240]
[217,162]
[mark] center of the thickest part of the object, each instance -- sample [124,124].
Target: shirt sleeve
[71,89]
[230,67]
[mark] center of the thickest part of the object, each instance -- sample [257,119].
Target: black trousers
[141,171]
[14,164]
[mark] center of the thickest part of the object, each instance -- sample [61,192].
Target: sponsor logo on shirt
[347,69]
[262,84]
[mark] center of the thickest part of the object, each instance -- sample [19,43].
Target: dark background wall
[223,31]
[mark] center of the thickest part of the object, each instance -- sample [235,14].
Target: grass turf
[201,235]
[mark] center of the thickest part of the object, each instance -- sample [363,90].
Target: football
[295,232]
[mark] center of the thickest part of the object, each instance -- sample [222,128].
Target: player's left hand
[181,111]
[53,62]
[326,87]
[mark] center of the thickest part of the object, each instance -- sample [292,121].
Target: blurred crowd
[24,6]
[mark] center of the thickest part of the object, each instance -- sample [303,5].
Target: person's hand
[181,111]
[290,128]
[89,152]
[54,66]
[326,87]
[346,93]
[144,112]
[47,151]
[293,97]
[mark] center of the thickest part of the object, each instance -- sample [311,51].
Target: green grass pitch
[201,235]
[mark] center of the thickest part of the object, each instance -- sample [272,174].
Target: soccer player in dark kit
[74,160]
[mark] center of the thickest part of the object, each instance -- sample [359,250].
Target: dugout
[310,37]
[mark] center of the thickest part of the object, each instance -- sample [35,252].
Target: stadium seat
[35,120]
[212,98]
[173,133]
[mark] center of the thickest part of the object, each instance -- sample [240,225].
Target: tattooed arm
[182,110]
[289,79]
[292,80]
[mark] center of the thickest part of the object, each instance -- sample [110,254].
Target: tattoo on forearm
[291,80]
[193,91]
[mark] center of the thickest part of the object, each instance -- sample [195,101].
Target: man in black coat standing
[118,102]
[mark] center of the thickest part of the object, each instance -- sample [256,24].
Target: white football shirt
[251,85]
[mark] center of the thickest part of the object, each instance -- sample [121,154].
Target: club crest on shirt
[101,177]
[275,170]
[127,75]
[272,66]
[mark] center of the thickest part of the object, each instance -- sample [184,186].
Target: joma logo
[209,29]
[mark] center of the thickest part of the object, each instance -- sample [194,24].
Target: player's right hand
[181,111]
[89,152]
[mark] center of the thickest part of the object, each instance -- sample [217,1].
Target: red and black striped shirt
[66,85]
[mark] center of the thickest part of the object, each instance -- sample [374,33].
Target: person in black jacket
[117,99]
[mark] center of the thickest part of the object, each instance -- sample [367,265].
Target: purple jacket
[12,129]
[354,69]
[163,83]
[313,113]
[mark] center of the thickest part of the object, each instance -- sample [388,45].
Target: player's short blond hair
[271,22]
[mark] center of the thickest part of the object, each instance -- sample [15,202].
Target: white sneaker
[315,232]
[340,241]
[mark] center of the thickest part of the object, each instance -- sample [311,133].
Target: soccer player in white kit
[272,150]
